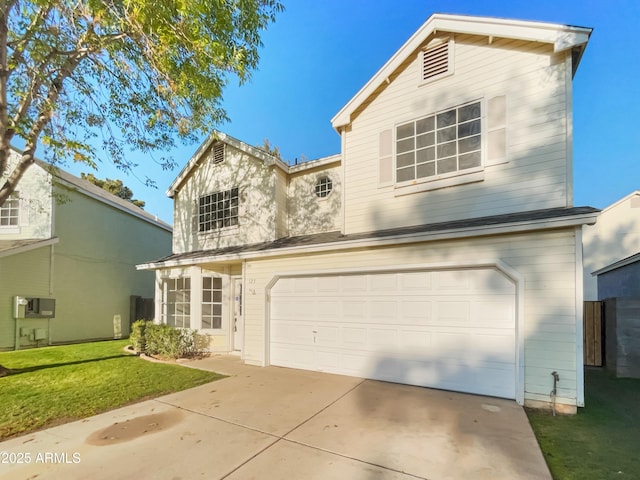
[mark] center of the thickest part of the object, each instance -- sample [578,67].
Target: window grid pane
[441,143]
[218,210]
[212,302]
[176,305]
[10,211]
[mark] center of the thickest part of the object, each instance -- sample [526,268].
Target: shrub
[137,335]
[170,342]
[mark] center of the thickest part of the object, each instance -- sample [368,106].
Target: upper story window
[10,211]
[218,210]
[443,143]
[437,59]
[324,186]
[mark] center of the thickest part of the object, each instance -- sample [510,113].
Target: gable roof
[90,190]
[218,136]
[635,193]
[562,37]
[266,157]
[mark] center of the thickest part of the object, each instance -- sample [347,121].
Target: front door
[237,334]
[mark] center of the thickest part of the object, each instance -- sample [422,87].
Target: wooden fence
[593,334]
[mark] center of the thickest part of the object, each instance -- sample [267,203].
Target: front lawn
[602,441]
[54,385]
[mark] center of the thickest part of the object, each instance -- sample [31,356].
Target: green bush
[170,342]
[137,335]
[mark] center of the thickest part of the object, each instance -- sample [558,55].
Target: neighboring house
[620,279]
[65,239]
[614,238]
[440,248]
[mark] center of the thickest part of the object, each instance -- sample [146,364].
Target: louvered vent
[435,61]
[218,153]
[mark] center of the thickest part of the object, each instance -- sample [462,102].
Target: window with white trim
[10,211]
[445,143]
[218,210]
[176,302]
[324,186]
[211,302]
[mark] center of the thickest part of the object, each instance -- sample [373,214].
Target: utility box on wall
[33,307]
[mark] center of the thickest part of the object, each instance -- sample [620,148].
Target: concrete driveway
[278,423]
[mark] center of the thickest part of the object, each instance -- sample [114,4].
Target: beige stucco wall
[307,213]
[257,215]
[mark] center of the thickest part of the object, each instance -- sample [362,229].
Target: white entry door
[450,329]
[238,319]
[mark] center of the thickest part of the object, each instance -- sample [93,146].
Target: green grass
[602,441]
[53,385]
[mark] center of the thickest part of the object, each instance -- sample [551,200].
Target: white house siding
[535,177]
[35,193]
[307,212]
[545,260]
[614,237]
[257,202]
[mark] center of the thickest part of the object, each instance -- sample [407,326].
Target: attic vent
[436,61]
[218,153]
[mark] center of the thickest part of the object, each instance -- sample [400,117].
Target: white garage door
[452,329]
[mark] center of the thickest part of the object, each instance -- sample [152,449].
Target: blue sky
[318,54]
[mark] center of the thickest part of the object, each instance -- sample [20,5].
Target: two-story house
[68,251]
[440,248]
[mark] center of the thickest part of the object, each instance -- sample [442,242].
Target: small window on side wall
[324,186]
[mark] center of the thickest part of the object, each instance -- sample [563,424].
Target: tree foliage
[94,78]
[116,187]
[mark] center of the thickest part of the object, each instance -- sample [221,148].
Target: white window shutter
[385,158]
[497,130]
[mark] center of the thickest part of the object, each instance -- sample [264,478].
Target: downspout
[556,379]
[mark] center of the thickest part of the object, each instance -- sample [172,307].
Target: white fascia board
[545,224]
[563,37]
[31,246]
[215,136]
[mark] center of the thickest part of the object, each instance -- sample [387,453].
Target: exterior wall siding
[26,274]
[534,176]
[94,271]
[36,201]
[615,236]
[258,200]
[545,260]
[307,212]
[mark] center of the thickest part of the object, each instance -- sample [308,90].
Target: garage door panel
[414,311]
[415,281]
[445,329]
